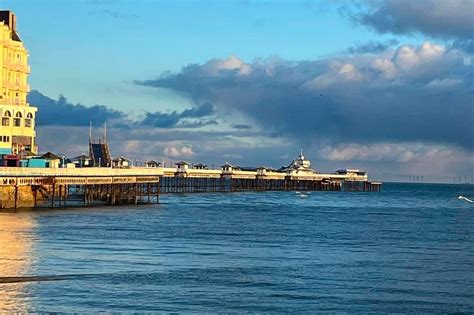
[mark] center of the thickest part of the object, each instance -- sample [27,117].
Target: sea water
[408,248]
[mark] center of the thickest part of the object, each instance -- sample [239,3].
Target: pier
[62,187]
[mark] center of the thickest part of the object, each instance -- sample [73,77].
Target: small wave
[465,199]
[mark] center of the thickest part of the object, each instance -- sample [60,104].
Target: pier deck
[53,187]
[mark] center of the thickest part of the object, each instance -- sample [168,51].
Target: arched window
[17,120]
[28,120]
[6,118]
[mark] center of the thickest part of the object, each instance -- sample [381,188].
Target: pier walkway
[59,187]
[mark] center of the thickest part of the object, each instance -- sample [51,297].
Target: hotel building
[17,127]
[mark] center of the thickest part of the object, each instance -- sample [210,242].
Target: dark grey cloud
[372,47]
[200,111]
[242,126]
[174,118]
[413,94]
[197,123]
[448,19]
[62,113]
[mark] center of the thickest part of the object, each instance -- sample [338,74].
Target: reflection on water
[16,244]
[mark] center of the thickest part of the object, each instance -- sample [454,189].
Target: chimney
[13,21]
[8,18]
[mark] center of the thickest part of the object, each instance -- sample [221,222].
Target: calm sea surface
[409,248]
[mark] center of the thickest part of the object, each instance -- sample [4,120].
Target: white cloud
[215,66]
[394,152]
[385,66]
[403,65]
[184,151]
[337,72]
[444,83]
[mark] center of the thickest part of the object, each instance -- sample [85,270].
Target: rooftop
[9,19]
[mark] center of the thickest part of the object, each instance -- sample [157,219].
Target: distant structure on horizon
[17,129]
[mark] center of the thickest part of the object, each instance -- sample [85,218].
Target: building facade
[17,126]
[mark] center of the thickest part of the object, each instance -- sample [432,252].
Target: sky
[381,85]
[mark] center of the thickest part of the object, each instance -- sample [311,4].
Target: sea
[407,249]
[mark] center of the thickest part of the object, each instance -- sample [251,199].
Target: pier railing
[29,187]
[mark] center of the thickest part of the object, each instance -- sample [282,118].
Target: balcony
[20,67]
[5,42]
[12,102]
[16,66]
[17,86]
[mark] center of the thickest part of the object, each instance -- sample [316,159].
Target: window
[28,120]
[17,120]
[6,118]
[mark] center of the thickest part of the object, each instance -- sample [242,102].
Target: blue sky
[366,84]
[91,50]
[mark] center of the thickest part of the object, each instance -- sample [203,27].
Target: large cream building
[17,128]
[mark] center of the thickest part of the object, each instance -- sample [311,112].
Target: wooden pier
[61,187]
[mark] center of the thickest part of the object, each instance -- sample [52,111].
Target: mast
[105,132]
[90,131]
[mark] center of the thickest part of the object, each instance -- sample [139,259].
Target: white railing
[160,171]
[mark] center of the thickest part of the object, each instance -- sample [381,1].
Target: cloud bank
[177,119]
[62,113]
[408,94]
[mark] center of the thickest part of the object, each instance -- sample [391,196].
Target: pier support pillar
[85,195]
[53,192]
[136,193]
[16,195]
[158,192]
